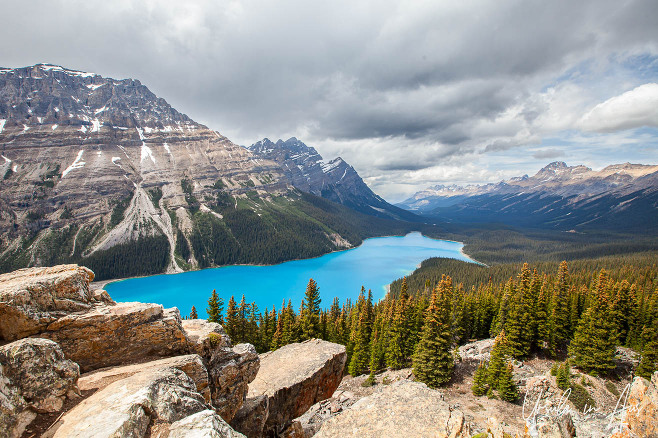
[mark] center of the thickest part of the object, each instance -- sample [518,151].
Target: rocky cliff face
[559,196]
[89,163]
[333,179]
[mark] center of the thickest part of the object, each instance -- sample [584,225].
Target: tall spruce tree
[480,385]
[507,389]
[498,361]
[397,336]
[215,308]
[311,311]
[360,354]
[649,360]
[558,321]
[594,344]
[520,323]
[232,320]
[433,362]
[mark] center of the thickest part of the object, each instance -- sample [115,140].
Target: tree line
[529,313]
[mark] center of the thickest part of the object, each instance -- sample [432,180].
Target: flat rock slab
[204,424]
[190,364]
[295,377]
[402,409]
[128,407]
[31,298]
[116,335]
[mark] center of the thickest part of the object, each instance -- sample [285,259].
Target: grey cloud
[548,154]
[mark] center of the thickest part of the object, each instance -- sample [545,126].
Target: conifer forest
[576,313]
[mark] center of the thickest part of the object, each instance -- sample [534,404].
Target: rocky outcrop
[479,351]
[130,406]
[641,410]
[204,424]
[115,335]
[295,377]
[405,409]
[252,416]
[231,369]
[34,378]
[190,364]
[32,298]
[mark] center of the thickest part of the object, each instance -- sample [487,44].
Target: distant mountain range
[103,172]
[334,179]
[619,197]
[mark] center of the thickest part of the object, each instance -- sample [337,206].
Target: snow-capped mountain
[334,179]
[558,196]
[91,165]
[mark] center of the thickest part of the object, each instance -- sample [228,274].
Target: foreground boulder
[204,424]
[32,298]
[295,377]
[230,369]
[152,400]
[115,335]
[641,417]
[250,419]
[34,378]
[402,409]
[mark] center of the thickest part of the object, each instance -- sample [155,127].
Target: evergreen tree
[507,389]
[563,377]
[215,308]
[559,318]
[498,360]
[520,323]
[311,311]
[480,386]
[395,357]
[193,314]
[433,362]
[649,360]
[360,354]
[232,320]
[593,346]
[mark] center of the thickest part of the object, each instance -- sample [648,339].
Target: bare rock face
[477,351]
[231,369]
[34,377]
[115,335]
[32,298]
[190,364]
[295,377]
[204,424]
[251,417]
[402,409]
[642,409]
[130,406]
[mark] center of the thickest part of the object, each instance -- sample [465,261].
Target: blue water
[375,264]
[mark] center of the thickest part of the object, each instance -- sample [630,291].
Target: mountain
[103,172]
[618,197]
[334,179]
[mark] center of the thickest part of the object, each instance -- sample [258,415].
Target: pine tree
[563,377]
[649,360]
[311,311]
[232,320]
[480,386]
[594,343]
[520,321]
[507,389]
[498,360]
[395,357]
[360,354]
[433,362]
[559,318]
[193,314]
[215,308]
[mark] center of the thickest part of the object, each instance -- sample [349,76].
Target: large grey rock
[295,377]
[190,364]
[252,416]
[204,424]
[34,378]
[402,409]
[32,298]
[121,334]
[128,407]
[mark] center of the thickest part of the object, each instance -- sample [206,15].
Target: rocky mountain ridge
[619,196]
[92,165]
[334,179]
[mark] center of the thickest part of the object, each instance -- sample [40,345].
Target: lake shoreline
[103,283]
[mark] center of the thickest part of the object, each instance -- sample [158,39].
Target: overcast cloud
[410,93]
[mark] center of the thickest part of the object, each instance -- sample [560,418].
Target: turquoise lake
[375,264]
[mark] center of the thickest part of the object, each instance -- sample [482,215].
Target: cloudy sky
[411,94]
